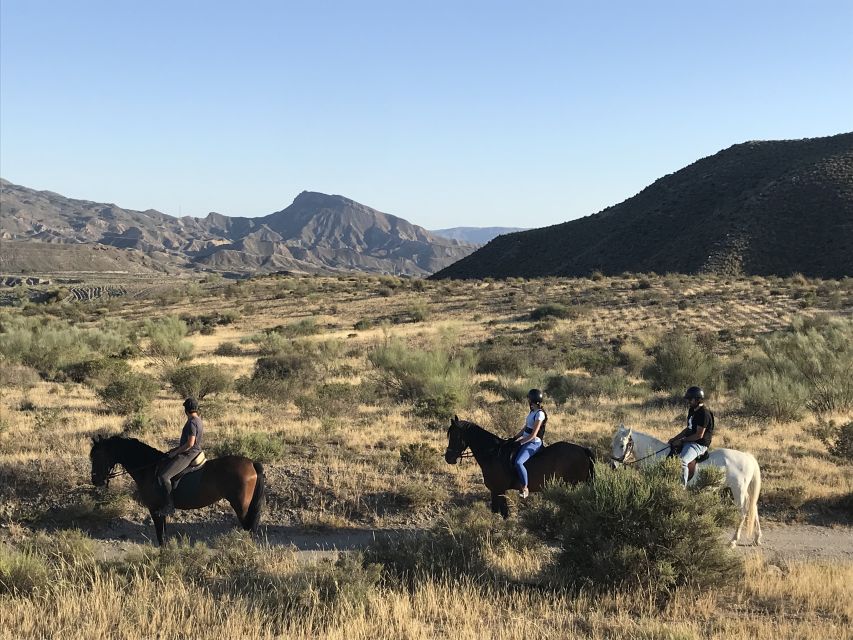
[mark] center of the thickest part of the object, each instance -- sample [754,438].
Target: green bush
[166,341]
[815,357]
[436,380]
[256,445]
[565,387]
[129,393]
[228,349]
[770,395]
[550,310]
[199,380]
[634,528]
[678,363]
[96,370]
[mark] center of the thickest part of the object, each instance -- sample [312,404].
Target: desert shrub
[416,494]
[503,357]
[128,393]
[437,380]
[838,439]
[206,323]
[509,389]
[770,395]
[461,543]
[678,362]
[595,361]
[636,529]
[95,370]
[259,446]
[550,310]
[634,358]
[333,399]
[418,311]
[303,327]
[363,325]
[228,349]
[166,340]
[199,380]
[813,358]
[18,375]
[419,457]
[564,387]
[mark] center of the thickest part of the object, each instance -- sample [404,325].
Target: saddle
[196,464]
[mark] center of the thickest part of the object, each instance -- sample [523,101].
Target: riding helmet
[535,395]
[190,405]
[694,393]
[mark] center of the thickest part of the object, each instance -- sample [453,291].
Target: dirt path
[781,542]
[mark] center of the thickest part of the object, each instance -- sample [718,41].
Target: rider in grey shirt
[182,455]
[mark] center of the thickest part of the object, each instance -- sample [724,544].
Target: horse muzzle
[451,457]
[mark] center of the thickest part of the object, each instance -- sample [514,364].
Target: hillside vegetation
[758,208]
[342,386]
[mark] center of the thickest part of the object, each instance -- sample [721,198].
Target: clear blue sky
[443,113]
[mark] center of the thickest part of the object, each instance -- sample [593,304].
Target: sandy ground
[794,542]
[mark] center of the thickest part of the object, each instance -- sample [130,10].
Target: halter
[115,474]
[629,448]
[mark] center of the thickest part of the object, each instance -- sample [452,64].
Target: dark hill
[774,207]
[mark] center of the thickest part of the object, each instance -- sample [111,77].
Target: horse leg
[499,504]
[739,495]
[159,526]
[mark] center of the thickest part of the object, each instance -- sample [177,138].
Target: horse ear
[454,420]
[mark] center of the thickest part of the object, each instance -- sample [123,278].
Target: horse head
[102,461]
[622,446]
[456,444]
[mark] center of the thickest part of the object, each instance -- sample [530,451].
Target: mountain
[758,208]
[474,235]
[318,233]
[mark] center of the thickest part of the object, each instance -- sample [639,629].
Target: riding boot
[168,507]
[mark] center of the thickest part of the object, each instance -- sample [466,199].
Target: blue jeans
[689,452]
[523,456]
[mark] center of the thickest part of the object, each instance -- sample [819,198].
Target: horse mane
[481,436]
[134,451]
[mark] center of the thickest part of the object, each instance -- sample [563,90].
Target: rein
[116,474]
[630,449]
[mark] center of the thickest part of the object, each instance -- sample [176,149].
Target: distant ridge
[317,233]
[757,208]
[474,235]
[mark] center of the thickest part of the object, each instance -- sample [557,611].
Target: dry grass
[345,472]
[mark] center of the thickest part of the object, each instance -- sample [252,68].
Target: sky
[462,113]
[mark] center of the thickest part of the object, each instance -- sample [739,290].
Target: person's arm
[678,438]
[533,433]
[182,447]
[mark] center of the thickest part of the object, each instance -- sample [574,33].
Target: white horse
[742,474]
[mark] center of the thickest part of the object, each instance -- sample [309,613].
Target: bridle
[629,449]
[463,453]
[115,474]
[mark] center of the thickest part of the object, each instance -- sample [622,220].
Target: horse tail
[591,456]
[253,515]
[752,492]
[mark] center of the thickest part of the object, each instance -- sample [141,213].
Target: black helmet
[190,405]
[535,395]
[694,393]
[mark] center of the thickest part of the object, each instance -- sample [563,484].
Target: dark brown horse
[235,478]
[564,461]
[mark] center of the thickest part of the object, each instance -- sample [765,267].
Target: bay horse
[565,461]
[235,478]
[742,473]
